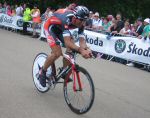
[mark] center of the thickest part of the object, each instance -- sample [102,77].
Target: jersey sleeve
[66,33]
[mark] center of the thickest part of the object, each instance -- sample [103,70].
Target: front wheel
[37,65]
[80,93]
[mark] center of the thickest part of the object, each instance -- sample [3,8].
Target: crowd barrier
[16,22]
[129,48]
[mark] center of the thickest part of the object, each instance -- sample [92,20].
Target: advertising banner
[128,48]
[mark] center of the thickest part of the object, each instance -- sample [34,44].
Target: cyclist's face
[79,22]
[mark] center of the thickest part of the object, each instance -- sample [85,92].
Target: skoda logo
[75,36]
[120,46]
[20,23]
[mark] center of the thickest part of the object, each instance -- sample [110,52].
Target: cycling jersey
[58,26]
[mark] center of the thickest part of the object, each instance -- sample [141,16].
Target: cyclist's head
[81,12]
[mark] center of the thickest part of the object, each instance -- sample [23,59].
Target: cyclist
[57,32]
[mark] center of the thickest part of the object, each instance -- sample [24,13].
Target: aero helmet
[81,12]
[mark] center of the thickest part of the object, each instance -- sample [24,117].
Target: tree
[129,8]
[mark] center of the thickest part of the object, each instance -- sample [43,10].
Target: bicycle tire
[37,64]
[86,107]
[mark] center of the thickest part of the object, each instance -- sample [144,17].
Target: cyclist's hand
[86,53]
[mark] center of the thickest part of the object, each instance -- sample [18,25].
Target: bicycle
[79,93]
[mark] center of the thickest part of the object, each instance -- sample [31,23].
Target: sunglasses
[82,20]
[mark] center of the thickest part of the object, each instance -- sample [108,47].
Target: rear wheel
[37,65]
[79,100]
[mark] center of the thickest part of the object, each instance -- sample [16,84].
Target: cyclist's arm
[68,40]
[82,40]
[82,43]
[70,44]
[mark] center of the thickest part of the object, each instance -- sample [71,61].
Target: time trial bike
[78,86]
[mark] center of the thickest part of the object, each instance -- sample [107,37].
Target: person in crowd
[26,18]
[35,13]
[113,28]
[105,24]
[133,28]
[126,29]
[146,29]
[71,6]
[9,11]
[13,11]
[97,22]
[138,31]
[19,10]
[120,23]
[4,8]
[88,24]
[1,7]
[110,18]
[24,6]
[48,13]
[16,6]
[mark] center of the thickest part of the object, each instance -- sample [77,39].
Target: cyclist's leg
[68,50]
[55,54]
[53,36]
[67,63]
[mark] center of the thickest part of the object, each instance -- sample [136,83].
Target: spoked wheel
[37,65]
[79,94]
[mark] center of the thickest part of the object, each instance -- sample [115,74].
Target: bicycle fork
[76,79]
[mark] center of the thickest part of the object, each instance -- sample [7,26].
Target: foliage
[129,8]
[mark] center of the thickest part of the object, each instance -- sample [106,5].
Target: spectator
[26,17]
[19,10]
[0,7]
[139,29]
[16,6]
[71,6]
[113,28]
[35,13]
[146,29]
[97,22]
[8,10]
[133,28]
[110,18]
[105,24]
[24,6]
[120,23]
[13,11]
[48,13]
[4,8]
[88,24]
[126,29]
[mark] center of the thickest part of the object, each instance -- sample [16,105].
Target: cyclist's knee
[57,54]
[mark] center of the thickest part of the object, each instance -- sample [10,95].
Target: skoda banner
[128,48]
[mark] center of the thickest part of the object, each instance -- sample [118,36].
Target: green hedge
[129,8]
